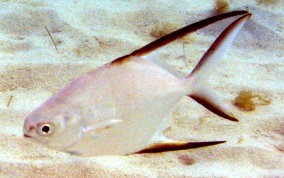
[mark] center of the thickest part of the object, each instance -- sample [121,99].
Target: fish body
[119,108]
[123,92]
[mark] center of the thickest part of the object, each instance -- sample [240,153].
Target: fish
[122,107]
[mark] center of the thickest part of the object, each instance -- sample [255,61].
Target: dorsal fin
[178,34]
[182,32]
[177,145]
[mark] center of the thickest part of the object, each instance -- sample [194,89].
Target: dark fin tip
[211,107]
[176,146]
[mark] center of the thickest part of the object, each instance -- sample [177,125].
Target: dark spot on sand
[58,42]
[74,153]
[186,160]
[222,6]
[247,101]
[161,30]
[268,2]
[280,148]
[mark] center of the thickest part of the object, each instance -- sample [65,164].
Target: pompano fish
[122,107]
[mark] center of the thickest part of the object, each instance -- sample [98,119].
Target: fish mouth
[27,136]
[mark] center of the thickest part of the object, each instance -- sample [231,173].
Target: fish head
[53,127]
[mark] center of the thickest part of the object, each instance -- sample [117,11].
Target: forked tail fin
[196,81]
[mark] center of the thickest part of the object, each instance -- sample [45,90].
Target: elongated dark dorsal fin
[178,34]
[176,146]
[183,32]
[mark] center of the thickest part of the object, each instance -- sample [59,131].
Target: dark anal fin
[176,146]
[213,108]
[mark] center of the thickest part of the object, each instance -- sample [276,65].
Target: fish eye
[45,129]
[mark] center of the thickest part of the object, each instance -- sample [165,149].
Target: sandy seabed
[89,34]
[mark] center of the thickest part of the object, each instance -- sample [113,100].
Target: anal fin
[176,146]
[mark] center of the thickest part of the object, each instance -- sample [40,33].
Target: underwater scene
[128,88]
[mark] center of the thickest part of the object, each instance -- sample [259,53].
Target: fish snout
[26,133]
[28,128]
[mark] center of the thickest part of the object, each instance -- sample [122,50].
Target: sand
[89,34]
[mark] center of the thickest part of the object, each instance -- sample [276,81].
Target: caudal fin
[199,89]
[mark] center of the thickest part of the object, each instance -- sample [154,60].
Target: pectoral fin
[177,145]
[92,130]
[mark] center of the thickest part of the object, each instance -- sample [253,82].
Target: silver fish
[122,107]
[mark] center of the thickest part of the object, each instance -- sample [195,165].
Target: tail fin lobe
[213,107]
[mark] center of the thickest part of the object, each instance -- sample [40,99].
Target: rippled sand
[89,34]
